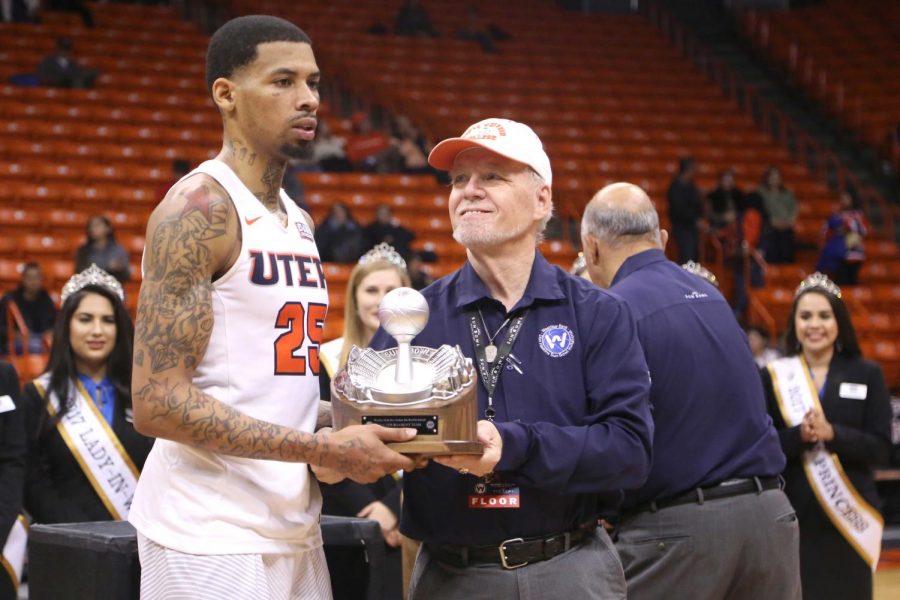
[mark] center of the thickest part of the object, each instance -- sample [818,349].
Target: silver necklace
[490,351]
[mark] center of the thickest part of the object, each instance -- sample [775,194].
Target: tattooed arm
[192,236]
[323,418]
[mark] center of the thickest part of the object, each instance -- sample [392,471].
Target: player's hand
[473,463]
[359,451]
[379,511]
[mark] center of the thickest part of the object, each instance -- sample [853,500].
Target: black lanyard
[490,371]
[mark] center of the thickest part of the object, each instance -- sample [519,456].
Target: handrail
[755,306]
[706,239]
[751,254]
[15,322]
[821,161]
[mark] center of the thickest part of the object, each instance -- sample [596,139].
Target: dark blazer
[56,488]
[862,431]
[12,452]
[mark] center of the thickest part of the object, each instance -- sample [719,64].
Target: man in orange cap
[562,395]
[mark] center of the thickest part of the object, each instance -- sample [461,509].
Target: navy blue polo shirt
[575,423]
[708,403]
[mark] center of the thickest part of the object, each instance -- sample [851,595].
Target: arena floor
[887,577]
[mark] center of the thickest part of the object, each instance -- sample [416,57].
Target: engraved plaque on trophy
[431,390]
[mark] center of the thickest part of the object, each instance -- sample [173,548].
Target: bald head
[619,221]
[621,214]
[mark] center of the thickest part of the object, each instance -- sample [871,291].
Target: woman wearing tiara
[84,455]
[378,272]
[832,411]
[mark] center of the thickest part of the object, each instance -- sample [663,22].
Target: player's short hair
[234,44]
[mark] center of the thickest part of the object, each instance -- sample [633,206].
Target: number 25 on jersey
[300,324]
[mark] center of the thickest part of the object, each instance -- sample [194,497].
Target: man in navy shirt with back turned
[563,395]
[711,521]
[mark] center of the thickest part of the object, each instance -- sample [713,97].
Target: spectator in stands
[418,276]
[781,209]
[367,148]
[85,395]
[475,29]
[722,207]
[292,184]
[410,148]
[686,210]
[36,307]
[61,70]
[179,168]
[843,252]
[19,11]
[379,271]
[328,151]
[12,480]
[339,237]
[759,346]
[388,230]
[75,6]
[100,248]
[414,21]
[838,410]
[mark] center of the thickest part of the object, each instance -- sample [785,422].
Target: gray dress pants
[738,548]
[589,571]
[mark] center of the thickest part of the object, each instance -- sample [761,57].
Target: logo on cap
[485,130]
[556,340]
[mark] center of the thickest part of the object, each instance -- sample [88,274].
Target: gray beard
[472,237]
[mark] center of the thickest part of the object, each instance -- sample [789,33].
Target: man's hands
[359,452]
[473,463]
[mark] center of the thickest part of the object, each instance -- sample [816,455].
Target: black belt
[726,489]
[513,553]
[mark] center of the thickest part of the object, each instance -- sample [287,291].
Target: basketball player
[226,361]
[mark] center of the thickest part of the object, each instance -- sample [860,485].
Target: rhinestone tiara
[385,252]
[580,265]
[93,275]
[700,271]
[818,281]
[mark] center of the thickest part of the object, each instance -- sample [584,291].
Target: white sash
[858,522]
[13,558]
[96,448]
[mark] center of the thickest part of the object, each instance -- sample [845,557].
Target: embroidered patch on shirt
[304,230]
[556,340]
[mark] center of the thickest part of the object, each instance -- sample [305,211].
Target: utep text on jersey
[271,268]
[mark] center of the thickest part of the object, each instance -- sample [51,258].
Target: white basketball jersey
[262,360]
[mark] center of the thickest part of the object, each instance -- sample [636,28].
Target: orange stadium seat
[29,366]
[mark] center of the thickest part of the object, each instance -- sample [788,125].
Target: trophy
[431,390]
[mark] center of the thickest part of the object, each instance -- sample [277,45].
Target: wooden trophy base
[444,426]
[424,448]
